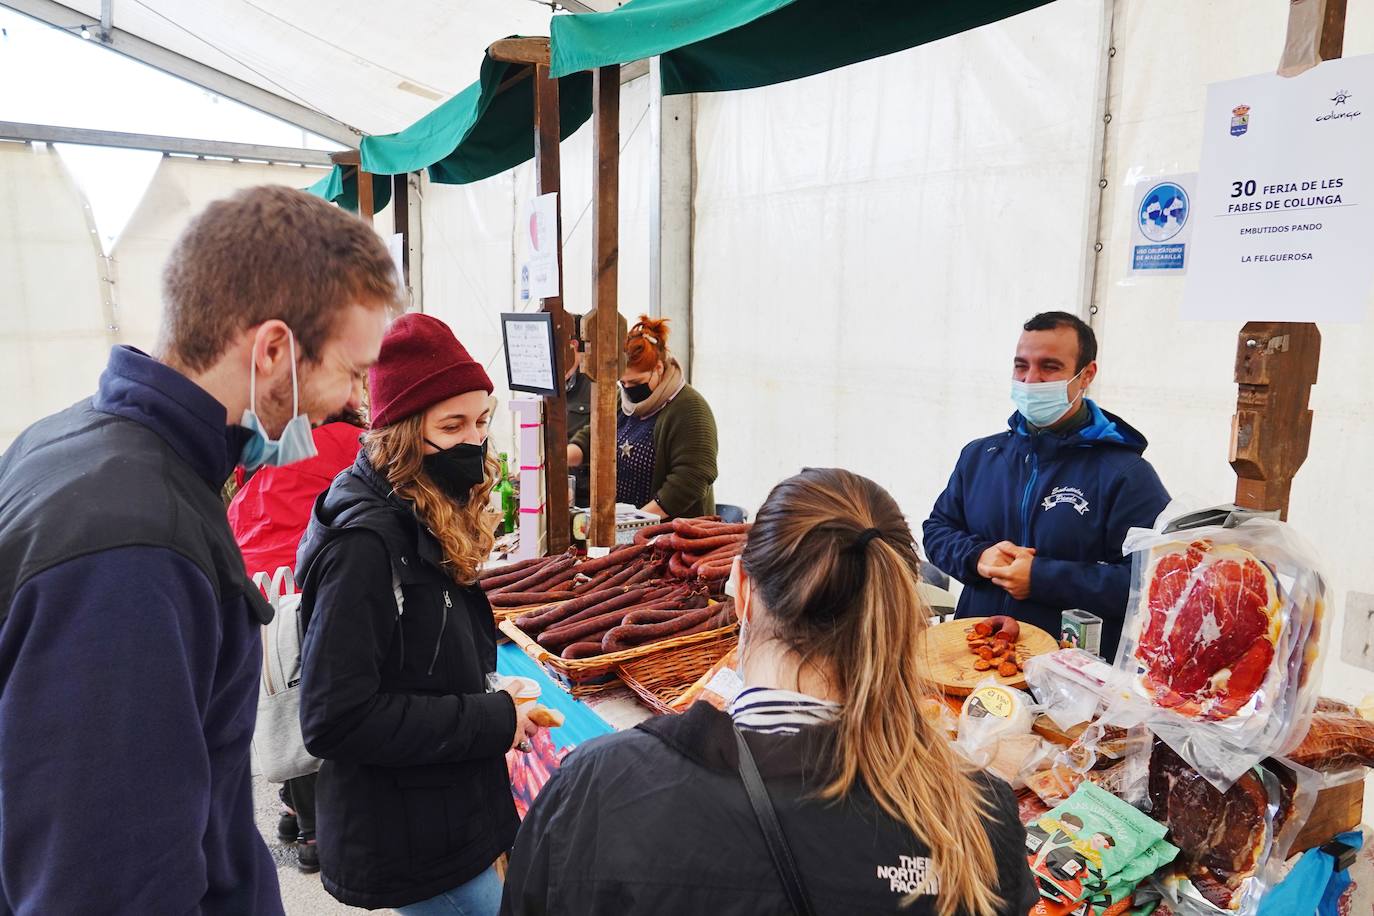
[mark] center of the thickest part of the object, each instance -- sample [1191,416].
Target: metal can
[1080,630]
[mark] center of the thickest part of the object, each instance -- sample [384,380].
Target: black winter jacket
[656,821]
[414,797]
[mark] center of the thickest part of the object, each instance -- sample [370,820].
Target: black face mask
[638,393]
[458,469]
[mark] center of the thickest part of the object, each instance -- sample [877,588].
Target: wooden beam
[1276,366]
[515,79]
[605,286]
[347,157]
[366,203]
[1332,43]
[521,51]
[547,180]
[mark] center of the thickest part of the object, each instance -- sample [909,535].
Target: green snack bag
[1082,848]
[1160,854]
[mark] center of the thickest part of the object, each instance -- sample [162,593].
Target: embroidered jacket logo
[914,875]
[1070,495]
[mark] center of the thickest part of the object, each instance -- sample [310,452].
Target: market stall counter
[1200,774]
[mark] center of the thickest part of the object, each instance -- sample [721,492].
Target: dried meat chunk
[1220,836]
[1336,741]
[1213,623]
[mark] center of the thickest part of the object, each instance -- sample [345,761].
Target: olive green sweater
[685,449]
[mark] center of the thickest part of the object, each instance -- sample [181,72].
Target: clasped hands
[1009,567]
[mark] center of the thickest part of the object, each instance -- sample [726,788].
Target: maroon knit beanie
[421,364]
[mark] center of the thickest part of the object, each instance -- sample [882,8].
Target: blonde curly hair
[464,531]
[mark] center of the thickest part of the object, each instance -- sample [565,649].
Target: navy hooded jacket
[1070,496]
[129,660]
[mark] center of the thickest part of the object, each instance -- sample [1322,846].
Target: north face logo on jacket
[912,875]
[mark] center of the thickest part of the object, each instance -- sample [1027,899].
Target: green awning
[485,130]
[338,189]
[717,45]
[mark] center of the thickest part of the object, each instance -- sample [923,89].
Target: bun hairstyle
[833,561]
[647,344]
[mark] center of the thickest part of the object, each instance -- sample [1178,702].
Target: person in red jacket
[270,511]
[268,515]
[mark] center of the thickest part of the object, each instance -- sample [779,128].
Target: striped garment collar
[779,712]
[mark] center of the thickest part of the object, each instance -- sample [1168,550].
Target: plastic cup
[525,690]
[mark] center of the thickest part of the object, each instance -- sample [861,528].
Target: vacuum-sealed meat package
[1222,641]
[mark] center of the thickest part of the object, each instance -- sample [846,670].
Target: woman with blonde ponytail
[413,798]
[877,811]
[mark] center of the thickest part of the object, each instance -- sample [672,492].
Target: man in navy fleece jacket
[1034,517]
[130,647]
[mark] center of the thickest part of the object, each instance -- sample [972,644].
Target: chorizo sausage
[523,599]
[624,637]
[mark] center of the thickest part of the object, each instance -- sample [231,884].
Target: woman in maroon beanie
[414,801]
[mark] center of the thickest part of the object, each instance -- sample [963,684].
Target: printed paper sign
[1284,207]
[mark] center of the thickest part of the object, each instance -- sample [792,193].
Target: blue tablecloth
[580,723]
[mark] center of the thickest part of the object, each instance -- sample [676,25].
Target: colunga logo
[1240,120]
[1337,112]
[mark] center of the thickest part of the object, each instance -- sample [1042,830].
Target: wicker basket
[660,679]
[510,613]
[585,676]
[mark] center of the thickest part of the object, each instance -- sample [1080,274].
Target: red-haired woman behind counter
[666,434]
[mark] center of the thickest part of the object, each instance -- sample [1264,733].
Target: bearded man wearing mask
[1033,518]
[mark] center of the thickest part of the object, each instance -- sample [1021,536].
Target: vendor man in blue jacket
[1033,518]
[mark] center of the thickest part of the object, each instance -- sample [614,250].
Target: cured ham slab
[1212,628]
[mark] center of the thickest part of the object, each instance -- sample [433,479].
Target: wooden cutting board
[951,663]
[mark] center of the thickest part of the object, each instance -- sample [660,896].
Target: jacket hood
[1103,428]
[358,498]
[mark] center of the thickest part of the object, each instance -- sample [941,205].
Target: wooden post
[605,298]
[546,166]
[1276,367]
[366,206]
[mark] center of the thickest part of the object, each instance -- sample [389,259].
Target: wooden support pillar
[366,204]
[546,167]
[605,298]
[1276,367]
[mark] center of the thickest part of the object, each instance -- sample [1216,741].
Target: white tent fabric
[65,304]
[54,324]
[180,189]
[868,240]
[372,66]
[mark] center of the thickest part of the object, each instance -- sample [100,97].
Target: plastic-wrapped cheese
[995,711]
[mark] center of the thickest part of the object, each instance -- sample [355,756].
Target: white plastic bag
[1071,685]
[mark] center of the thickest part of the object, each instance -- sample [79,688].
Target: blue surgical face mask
[1043,403]
[296,442]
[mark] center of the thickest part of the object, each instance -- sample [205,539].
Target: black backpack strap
[778,849]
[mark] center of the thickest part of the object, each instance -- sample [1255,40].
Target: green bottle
[510,506]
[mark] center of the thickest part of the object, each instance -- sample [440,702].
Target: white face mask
[296,442]
[1043,403]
